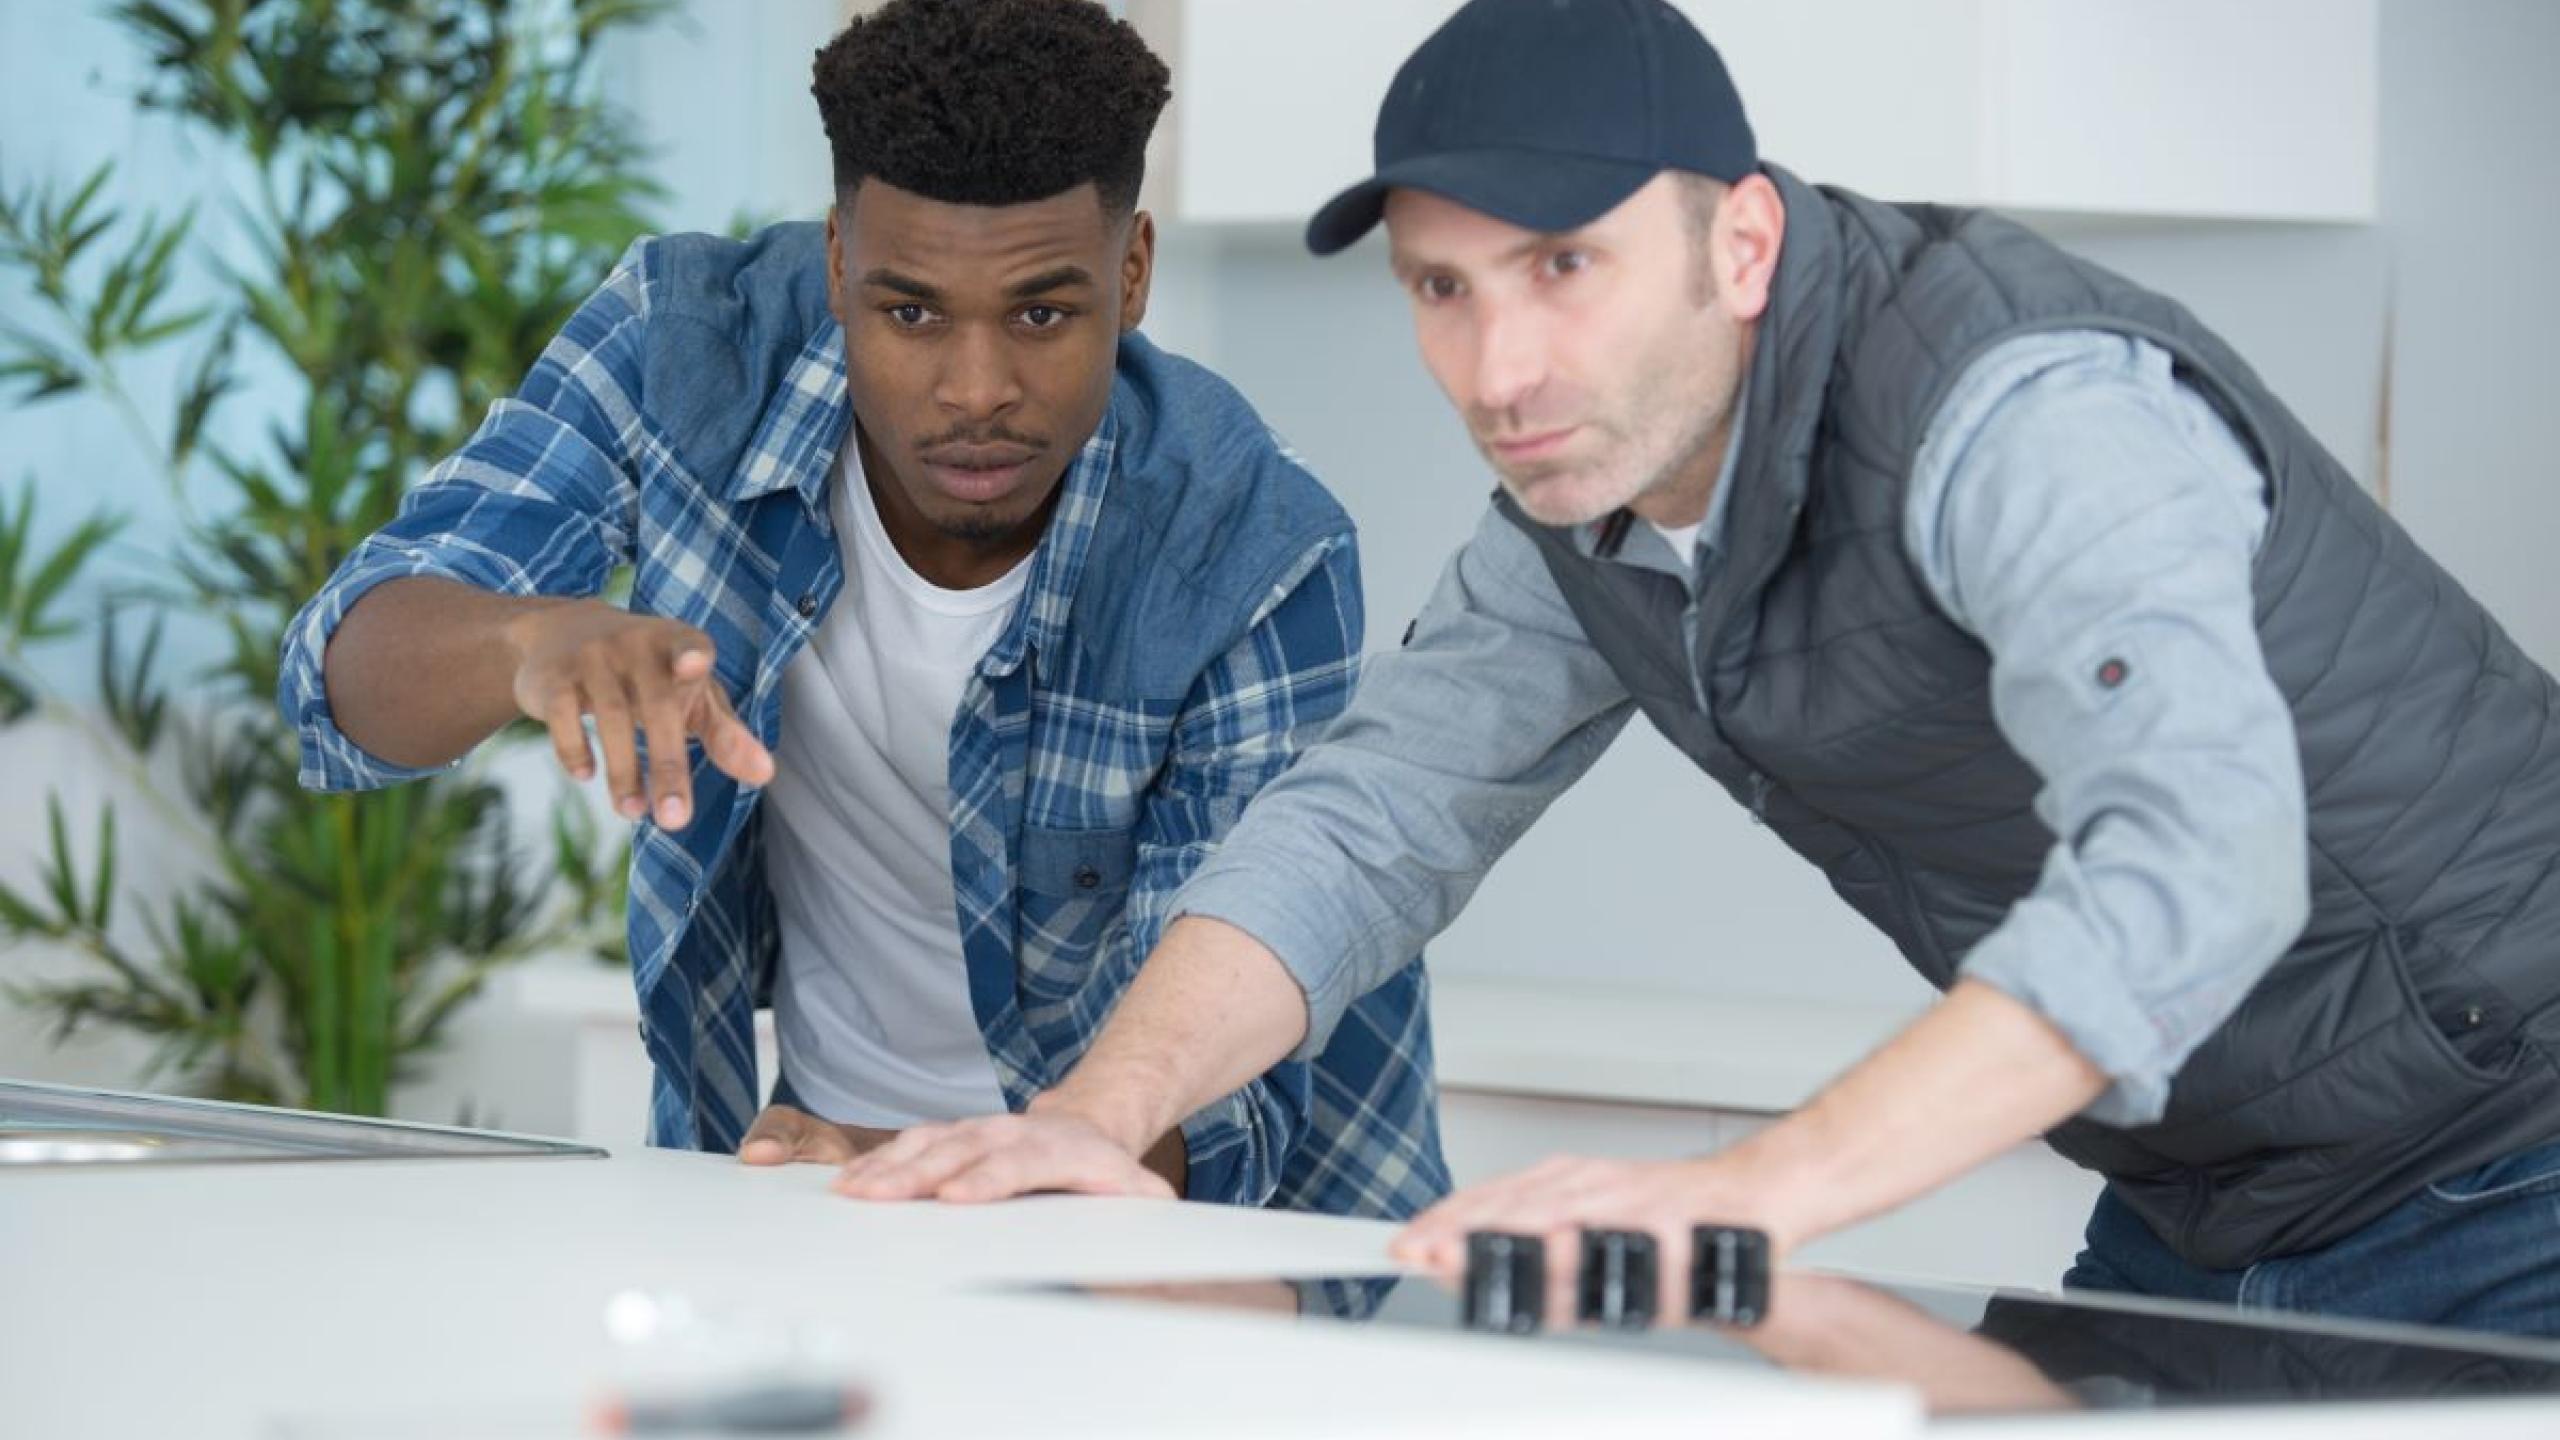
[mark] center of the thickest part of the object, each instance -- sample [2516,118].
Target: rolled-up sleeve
[540,501]
[1370,845]
[2095,525]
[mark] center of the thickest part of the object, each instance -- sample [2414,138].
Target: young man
[986,615]
[2001,590]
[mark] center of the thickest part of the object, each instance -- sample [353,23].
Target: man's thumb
[774,1138]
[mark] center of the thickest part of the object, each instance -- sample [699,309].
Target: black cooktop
[1979,1352]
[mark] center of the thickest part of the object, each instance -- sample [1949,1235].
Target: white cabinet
[2262,110]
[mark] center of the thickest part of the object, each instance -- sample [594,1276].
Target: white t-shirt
[871,1005]
[1682,539]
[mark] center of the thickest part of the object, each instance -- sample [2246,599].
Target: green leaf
[29,617]
[68,219]
[47,372]
[156,252]
[14,530]
[98,330]
[158,330]
[61,878]
[134,704]
[21,917]
[102,892]
[17,695]
[210,380]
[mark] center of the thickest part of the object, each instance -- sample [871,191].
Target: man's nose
[979,380]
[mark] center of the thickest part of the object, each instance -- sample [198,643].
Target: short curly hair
[991,102]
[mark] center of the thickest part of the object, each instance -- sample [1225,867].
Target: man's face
[981,342]
[1594,367]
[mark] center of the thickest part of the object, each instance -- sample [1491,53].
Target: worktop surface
[471,1296]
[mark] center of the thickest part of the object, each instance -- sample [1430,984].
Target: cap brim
[1533,189]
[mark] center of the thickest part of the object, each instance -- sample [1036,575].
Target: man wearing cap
[2000,589]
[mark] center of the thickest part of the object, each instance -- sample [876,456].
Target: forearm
[422,669]
[1211,1009]
[1979,1073]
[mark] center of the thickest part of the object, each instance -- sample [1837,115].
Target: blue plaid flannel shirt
[1192,619]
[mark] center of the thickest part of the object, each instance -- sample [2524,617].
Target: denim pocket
[2526,1172]
[1073,886]
[1078,864]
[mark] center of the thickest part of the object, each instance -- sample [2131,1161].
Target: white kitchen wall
[721,91]
[2471,206]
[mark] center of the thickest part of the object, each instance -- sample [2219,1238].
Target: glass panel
[58,1125]
[1971,1351]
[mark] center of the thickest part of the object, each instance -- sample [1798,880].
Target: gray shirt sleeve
[2094,524]
[1374,840]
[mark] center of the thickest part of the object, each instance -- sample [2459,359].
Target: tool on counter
[681,1368]
[1506,1286]
[1728,1274]
[777,1408]
[1620,1279]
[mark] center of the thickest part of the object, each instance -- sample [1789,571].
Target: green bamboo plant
[426,188]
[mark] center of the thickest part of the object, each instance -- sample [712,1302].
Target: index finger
[726,739]
[908,1144]
[916,1174]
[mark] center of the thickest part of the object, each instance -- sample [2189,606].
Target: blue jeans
[2477,1251]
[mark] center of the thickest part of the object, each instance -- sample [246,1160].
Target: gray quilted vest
[2413,1031]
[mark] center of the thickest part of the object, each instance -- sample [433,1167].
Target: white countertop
[442,1297]
[447,1297]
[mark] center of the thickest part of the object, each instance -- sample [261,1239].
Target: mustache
[982,435]
[1515,422]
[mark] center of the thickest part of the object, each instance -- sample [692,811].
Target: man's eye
[1436,287]
[909,316]
[1568,262]
[1043,317]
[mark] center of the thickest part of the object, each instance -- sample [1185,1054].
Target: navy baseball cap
[1547,114]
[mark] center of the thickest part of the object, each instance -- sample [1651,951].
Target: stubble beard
[1626,470]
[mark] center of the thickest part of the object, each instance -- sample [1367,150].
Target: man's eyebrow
[1406,267]
[1065,277]
[904,285]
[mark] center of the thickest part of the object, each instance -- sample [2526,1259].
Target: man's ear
[1137,270]
[1750,230]
[836,239]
